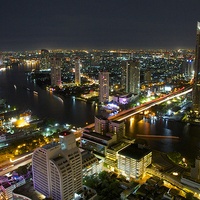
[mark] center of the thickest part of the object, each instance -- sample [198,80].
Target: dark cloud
[98,24]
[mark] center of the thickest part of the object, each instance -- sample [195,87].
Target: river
[13,84]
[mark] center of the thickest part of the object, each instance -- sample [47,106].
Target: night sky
[72,24]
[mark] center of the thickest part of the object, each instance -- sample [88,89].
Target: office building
[44,61]
[103,87]
[57,168]
[196,85]
[131,76]
[133,161]
[55,71]
[77,71]
[188,69]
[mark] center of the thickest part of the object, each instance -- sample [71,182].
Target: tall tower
[103,87]
[196,86]
[1,59]
[55,71]
[57,168]
[77,71]
[44,61]
[131,76]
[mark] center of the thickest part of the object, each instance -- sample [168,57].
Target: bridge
[138,109]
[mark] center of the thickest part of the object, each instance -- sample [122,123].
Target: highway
[138,109]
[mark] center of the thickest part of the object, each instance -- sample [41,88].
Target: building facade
[55,71]
[133,161]
[131,76]
[44,61]
[57,168]
[196,85]
[77,71]
[103,87]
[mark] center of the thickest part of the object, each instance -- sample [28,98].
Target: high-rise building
[103,87]
[44,61]
[77,71]
[131,76]
[55,71]
[188,69]
[196,86]
[57,168]
[1,59]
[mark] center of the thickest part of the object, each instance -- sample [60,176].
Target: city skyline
[103,24]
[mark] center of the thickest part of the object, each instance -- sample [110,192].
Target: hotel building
[57,168]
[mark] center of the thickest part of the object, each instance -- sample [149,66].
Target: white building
[103,87]
[133,161]
[57,168]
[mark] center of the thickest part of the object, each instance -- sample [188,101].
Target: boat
[35,93]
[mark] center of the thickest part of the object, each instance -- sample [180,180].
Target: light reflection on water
[79,113]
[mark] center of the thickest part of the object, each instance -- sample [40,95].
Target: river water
[13,87]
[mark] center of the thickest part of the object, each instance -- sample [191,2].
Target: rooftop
[133,151]
[96,135]
[50,145]
[28,191]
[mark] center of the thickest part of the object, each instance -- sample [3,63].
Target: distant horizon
[106,24]
[101,49]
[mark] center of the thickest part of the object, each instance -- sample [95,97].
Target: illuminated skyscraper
[103,86]
[1,59]
[57,168]
[77,71]
[131,76]
[44,61]
[196,86]
[55,71]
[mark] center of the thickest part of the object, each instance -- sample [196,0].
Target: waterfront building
[117,128]
[77,71]
[57,168]
[44,61]
[103,87]
[196,85]
[131,76]
[101,124]
[133,161]
[55,71]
